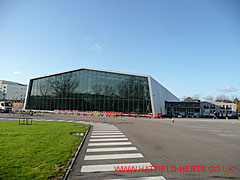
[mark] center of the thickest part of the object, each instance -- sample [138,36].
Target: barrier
[108,114]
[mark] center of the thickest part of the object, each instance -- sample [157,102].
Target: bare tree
[223,98]
[97,89]
[196,97]
[209,98]
[44,88]
[64,85]
[183,97]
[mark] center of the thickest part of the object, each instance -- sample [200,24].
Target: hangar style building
[88,89]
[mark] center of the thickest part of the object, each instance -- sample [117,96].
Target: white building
[223,109]
[2,95]
[12,90]
[226,108]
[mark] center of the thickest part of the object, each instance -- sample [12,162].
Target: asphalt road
[187,142]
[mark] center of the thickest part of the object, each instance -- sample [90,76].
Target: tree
[223,98]
[64,85]
[196,97]
[44,88]
[188,99]
[237,102]
[209,98]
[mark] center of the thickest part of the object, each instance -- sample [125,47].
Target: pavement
[140,142]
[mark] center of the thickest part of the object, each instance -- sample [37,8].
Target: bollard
[226,118]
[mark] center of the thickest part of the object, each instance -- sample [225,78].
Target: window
[90,90]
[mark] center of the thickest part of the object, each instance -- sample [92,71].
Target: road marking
[106,133]
[105,129]
[109,144]
[110,167]
[112,149]
[113,156]
[108,136]
[144,178]
[111,139]
[108,129]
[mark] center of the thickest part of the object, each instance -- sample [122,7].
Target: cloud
[87,38]
[16,72]
[97,46]
[227,89]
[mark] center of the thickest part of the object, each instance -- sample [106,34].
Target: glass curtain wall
[89,90]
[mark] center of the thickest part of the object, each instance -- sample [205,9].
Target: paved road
[187,142]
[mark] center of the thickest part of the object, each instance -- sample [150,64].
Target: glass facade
[90,90]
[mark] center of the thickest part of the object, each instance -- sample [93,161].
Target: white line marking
[106,133]
[144,178]
[111,139]
[110,167]
[112,149]
[109,144]
[108,136]
[105,129]
[113,156]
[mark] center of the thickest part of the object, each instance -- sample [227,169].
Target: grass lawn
[42,150]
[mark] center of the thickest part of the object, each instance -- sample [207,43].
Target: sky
[190,47]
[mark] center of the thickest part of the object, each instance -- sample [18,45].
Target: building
[12,91]
[222,109]
[183,109]
[200,109]
[2,95]
[88,89]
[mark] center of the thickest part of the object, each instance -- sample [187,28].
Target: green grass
[42,150]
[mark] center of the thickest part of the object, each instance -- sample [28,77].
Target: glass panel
[90,90]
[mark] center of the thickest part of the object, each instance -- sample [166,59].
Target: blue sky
[191,47]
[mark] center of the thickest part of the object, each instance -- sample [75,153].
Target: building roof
[93,69]
[12,83]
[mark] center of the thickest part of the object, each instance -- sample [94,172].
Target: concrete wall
[12,90]
[15,92]
[2,95]
[159,94]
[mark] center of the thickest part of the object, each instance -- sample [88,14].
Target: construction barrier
[107,114]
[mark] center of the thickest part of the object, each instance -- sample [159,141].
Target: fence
[107,114]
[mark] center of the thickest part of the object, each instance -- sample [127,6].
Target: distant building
[200,109]
[2,94]
[183,109]
[12,90]
[226,109]
[208,109]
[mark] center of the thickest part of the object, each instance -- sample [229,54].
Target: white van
[5,106]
